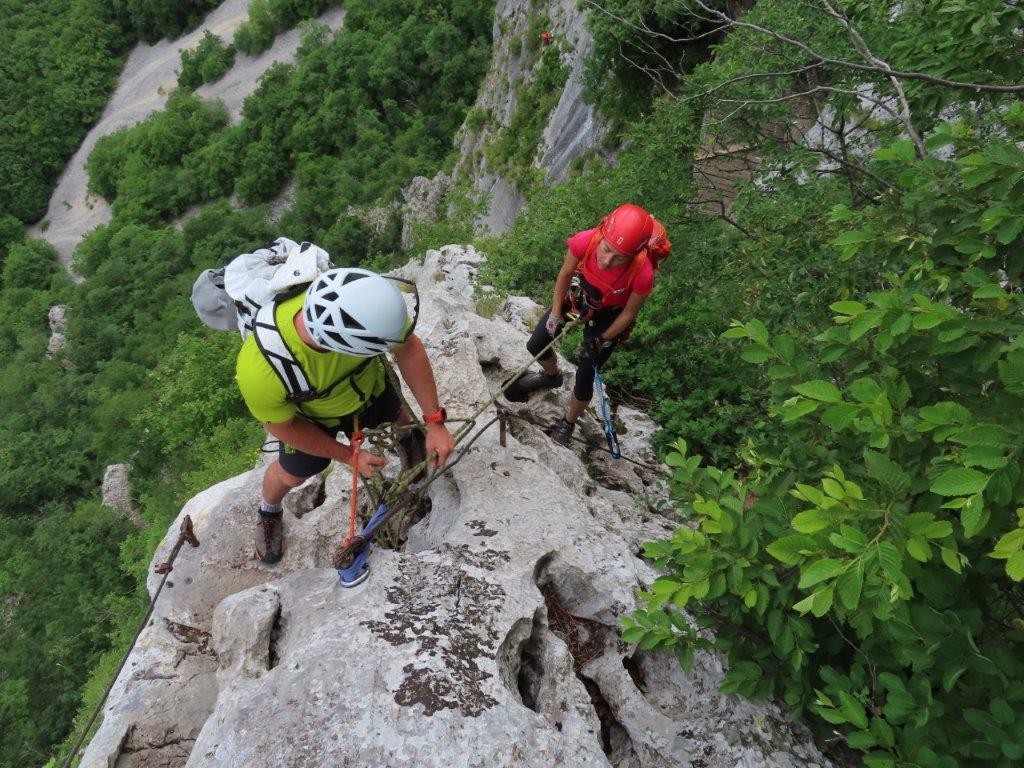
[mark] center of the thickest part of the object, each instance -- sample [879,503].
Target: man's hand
[554,322]
[440,444]
[369,463]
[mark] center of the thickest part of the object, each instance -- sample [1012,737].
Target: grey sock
[269,509]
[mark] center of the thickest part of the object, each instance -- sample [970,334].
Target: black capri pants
[583,388]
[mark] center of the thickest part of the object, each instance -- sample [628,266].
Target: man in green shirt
[336,332]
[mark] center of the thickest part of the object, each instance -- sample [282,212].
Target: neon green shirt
[265,394]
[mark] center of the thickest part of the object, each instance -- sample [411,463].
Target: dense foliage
[859,556]
[61,61]
[267,18]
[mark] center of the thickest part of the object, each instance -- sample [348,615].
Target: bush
[866,566]
[205,63]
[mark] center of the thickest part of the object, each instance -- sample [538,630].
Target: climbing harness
[606,415]
[185,535]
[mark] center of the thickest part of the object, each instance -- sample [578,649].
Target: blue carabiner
[359,569]
[606,416]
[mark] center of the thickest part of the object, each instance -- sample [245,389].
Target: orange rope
[355,441]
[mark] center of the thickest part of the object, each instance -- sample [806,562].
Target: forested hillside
[834,348]
[139,381]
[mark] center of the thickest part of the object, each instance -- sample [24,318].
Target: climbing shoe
[520,389]
[562,431]
[269,537]
[413,445]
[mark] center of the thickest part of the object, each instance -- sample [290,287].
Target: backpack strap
[293,377]
[278,356]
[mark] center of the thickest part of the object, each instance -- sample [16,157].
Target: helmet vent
[351,322]
[337,338]
[352,277]
[329,296]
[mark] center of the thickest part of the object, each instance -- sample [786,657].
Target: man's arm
[308,438]
[414,365]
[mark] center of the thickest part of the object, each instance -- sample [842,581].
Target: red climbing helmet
[628,228]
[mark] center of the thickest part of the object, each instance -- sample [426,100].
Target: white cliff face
[489,640]
[573,127]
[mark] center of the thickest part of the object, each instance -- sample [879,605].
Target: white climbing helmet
[355,311]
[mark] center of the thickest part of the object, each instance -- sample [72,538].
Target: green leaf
[973,516]
[926,320]
[756,353]
[839,417]
[986,456]
[982,434]
[833,488]
[795,410]
[847,307]
[853,710]
[889,557]
[849,586]
[1013,750]
[886,472]
[757,331]
[633,635]
[959,481]
[950,676]
[811,521]
[852,237]
[990,291]
[825,391]
[917,548]
[1001,711]
[1015,566]
[1010,230]
[864,323]
[865,390]
[792,549]
[818,571]
[901,151]
[849,540]
[951,559]
[1011,372]
[822,601]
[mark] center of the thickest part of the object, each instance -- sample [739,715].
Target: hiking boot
[413,445]
[520,389]
[562,431]
[269,536]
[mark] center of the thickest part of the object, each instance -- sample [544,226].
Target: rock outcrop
[58,319]
[117,494]
[488,640]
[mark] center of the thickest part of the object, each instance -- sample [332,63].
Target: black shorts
[385,407]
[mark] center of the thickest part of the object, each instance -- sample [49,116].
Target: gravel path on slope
[150,73]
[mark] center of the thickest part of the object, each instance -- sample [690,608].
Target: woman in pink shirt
[605,278]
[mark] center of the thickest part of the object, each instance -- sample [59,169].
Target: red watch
[440,416]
